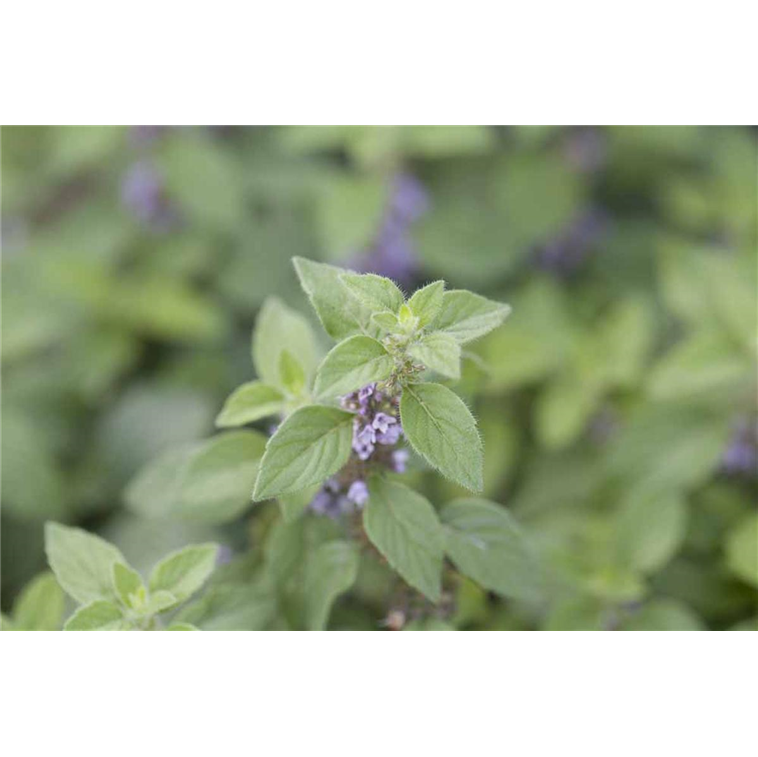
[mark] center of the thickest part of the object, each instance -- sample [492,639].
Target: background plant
[617,405]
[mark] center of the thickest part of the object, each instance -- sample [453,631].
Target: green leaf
[706,361]
[250,402]
[439,352]
[404,527]
[467,316]
[582,613]
[377,293]
[311,445]
[278,328]
[742,550]
[352,364]
[209,481]
[487,545]
[426,302]
[563,409]
[386,321]
[292,373]
[650,528]
[205,179]
[157,602]
[219,478]
[442,430]
[154,491]
[663,615]
[81,561]
[331,571]
[183,572]
[182,627]
[6,624]
[284,550]
[127,584]
[341,314]
[348,209]
[39,607]
[97,616]
[231,608]
[294,505]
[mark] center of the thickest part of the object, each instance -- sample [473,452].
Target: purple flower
[365,393]
[382,422]
[409,198]
[741,454]
[399,459]
[392,252]
[564,254]
[224,555]
[142,192]
[330,502]
[358,492]
[363,441]
[391,435]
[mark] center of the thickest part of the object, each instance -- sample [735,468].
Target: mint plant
[345,421]
[111,595]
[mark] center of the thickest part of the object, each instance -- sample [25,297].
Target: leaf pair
[285,356]
[479,536]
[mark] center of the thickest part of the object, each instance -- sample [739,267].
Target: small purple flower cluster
[144,194]
[563,255]
[741,454]
[392,252]
[376,431]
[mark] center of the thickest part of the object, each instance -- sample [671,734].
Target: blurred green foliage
[617,404]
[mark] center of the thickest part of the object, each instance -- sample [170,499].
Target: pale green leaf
[127,584]
[331,571]
[351,364]
[292,373]
[563,409]
[294,505]
[39,607]
[182,627]
[441,429]
[185,571]
[96,616]
[280,328]
[312,444]
[584,613]
[348,208]
[650,528]
[250,402]
[404,527]
[386,321]
[154,491]
[439,352]
[426,302]
[341,314]
[231,608]
[487,545]
[663,615]
[467,316]
[219,479]
[82,562]
[377,293]
[157,602]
